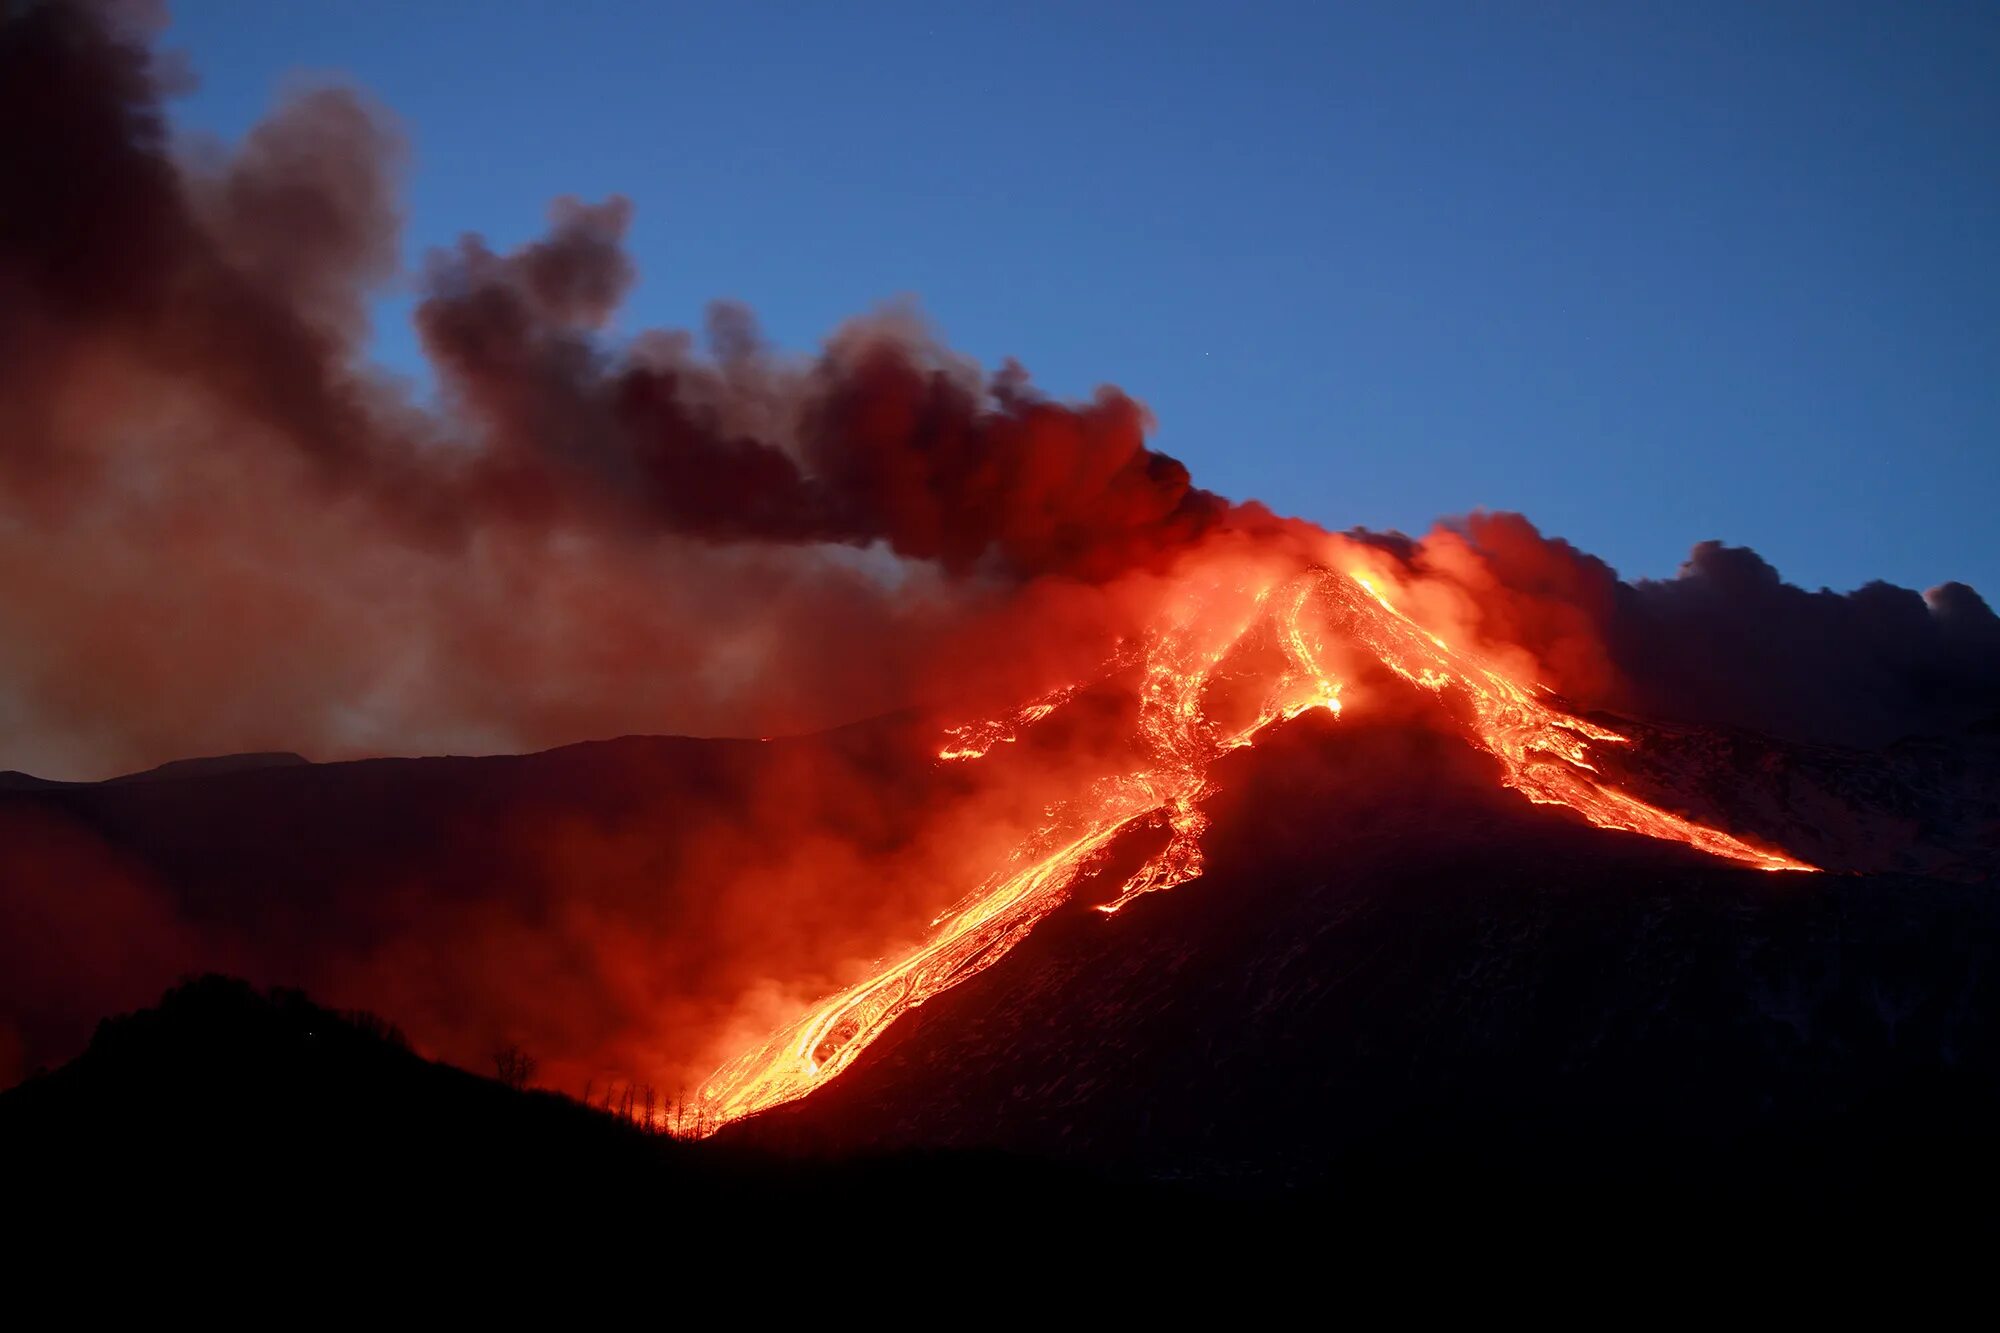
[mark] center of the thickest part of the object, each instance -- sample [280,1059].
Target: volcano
[969,784]
[1388,958]
[1325,895]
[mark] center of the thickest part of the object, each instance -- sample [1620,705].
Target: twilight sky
[1650,273]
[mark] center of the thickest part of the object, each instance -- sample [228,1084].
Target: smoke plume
[1727,641]
[222,530]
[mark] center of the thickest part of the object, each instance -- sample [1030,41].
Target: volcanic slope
[1391,960]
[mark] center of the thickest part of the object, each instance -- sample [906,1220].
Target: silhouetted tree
[514,1066]
[377,1027]
[685,1117]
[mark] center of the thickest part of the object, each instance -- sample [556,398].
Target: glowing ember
[973,740]
[1210,641]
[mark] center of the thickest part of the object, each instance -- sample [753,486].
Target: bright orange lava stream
[1544,753]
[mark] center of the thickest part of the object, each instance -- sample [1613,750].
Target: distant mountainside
[216,765]
[314,874]
[12,780]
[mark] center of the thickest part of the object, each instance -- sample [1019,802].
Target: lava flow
[1292,626]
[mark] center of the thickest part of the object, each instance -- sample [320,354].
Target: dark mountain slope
[1926,805]
[1391,960]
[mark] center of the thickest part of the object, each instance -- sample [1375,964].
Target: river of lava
[1289,627]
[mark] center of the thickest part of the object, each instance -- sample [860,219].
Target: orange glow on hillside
[1281,642]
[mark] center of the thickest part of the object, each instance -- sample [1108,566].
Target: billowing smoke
[1726,641]
[222,530]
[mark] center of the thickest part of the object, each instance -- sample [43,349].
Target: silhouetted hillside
[226,1088]
[212,765]
[229,1104]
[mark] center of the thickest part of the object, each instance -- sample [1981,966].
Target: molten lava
[1277,646]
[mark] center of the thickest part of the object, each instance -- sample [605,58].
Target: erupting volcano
[1270,647]
[818,735]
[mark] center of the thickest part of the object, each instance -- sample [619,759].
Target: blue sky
[1649,273]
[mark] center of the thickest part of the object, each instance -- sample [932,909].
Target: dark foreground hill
[224,1102]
